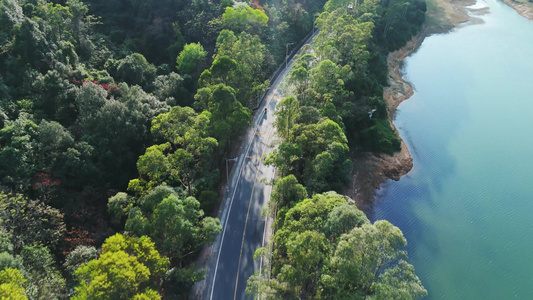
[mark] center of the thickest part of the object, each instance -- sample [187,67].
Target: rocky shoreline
[372,169]
[524,9]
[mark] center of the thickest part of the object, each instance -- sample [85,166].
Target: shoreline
[373,169]
[523,9]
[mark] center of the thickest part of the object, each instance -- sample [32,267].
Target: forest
[116,117]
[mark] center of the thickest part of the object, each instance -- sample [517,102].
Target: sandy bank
[372,169]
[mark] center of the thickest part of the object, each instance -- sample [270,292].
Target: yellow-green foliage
[244,18]
[11,282]
[126,269]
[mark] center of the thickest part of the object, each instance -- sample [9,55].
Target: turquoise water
[466,208]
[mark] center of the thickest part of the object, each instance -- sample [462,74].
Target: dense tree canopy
[317,154]
[325,248]
[20,216]
[134,105]
[190,58]
[174,222]
[244,18]
[128,268]
[44,281]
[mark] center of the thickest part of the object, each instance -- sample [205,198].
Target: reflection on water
[466,206]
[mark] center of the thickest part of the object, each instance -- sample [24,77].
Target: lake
[466,208]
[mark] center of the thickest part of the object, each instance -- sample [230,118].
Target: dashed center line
[244,234]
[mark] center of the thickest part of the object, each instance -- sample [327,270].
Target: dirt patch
[372,169]
[449,13]
[522,7]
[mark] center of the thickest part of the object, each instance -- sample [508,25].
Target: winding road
[231,260]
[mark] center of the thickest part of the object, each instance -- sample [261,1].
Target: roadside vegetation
[116,117]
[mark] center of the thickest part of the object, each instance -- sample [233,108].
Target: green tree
[190,58]
[343,39]
[117,129]
[223,70]
[299,77]
[342,219]
[79,257]
[79,24]
[287,111]
[11,285]
[9,261]
[398,282]
[89,100]
[128,268]
[228,116]
[20,216]
[52,144]
[324,146]
[301,250]
[17,160]
[120,204]
[187,134]
[310,214]
[328,84]
[10,14]
[317,154]
[177,225]
[152,165]
[287,192]
[364,263]
[53,97]
[57,17]
[135,69]
[244,18]
[329,170]
[148,294]
[144,107]
[286,158]
[179,281]
[327,249]
[44,280]
[308,115]
[172,89]
[30,43]
[247,51]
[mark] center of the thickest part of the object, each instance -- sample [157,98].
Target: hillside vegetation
[116,117]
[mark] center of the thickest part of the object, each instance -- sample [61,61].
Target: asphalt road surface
[243,231]
[243,227]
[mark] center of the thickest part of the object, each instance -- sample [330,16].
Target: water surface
[466,208]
